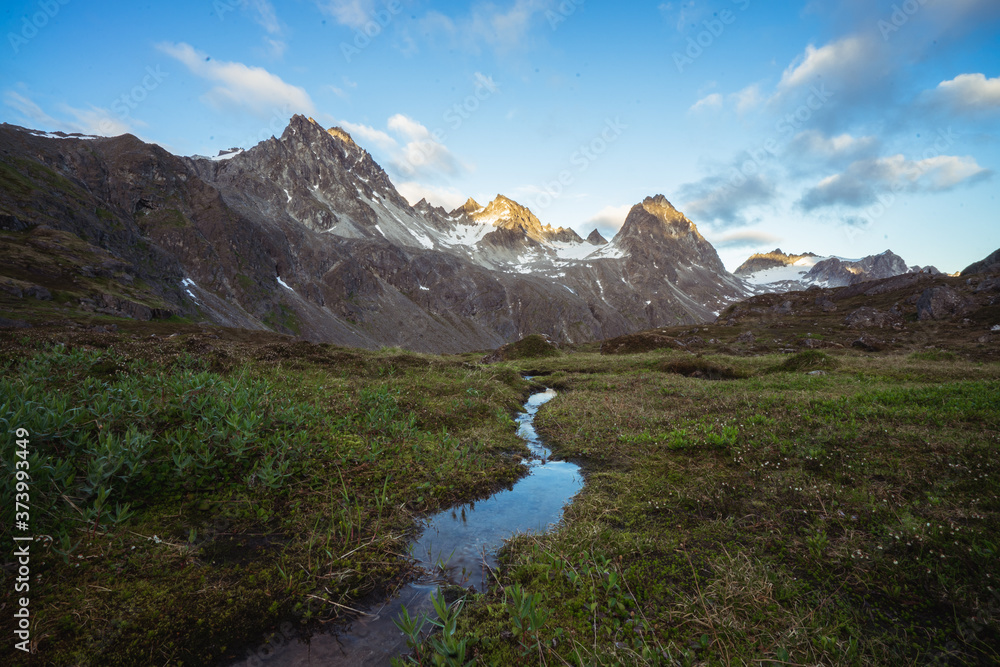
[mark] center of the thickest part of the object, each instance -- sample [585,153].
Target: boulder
[941,303]
[38,292]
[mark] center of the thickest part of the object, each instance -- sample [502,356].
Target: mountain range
[306,234]
[777,271]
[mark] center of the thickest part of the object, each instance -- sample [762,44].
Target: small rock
[817,373]
[867,317]
[13,324]
[827,305]
[868,343]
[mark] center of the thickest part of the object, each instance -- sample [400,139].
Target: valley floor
[197,496]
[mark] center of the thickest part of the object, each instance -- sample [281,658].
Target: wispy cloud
[748,98]
[609,217]
[864,180]
[238,85]
[745,238]
[503,29]
[93,120]
[724,199]
[680,14]
[446,197]
[711,101]
[810,150]
[352,13]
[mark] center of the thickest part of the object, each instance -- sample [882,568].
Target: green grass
[263,483]
[849,518]
[778,519]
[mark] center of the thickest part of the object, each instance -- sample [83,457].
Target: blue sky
[840,128]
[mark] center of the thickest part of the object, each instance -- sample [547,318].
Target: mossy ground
[776,517]
[192,493]
[782,518]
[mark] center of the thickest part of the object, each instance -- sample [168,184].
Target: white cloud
[970,92]
[366,134]
[447,198]
[239,85]
[408,128]
[611,217]
[414,151]
[835,60]
[422,153]
[713,101]
[862,182]
[352,13]
[747,99]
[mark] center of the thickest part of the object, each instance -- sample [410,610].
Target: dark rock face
[670,261]
[835,272]
[595,238]
[941,303]
[306,235]
[991,263]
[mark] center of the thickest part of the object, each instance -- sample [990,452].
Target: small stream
[457,546]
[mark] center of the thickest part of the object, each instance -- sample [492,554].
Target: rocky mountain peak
[505,213]
[340,133]
[469,207]
[661,207]
[763,261]
[657,217]
[595,238]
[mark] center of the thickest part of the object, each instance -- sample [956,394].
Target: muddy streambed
[457,546]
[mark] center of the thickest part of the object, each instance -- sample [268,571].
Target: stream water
[457,546]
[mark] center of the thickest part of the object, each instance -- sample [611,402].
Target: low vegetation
[849,518]
[197,491]
[188,503]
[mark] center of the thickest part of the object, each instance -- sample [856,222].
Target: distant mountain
[306,234]
[777,271]
[989,263]
[769,260]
